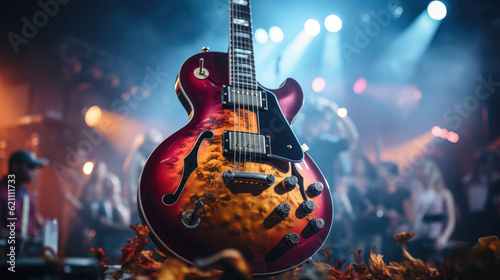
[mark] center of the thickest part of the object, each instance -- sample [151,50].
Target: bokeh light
[88,167]
[93,116]
[276,34]
[261,36]
[359,86]
[342,112]
[318,84]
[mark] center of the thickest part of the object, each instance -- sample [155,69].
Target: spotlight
[312,27]
[93,116]
[436,10]
[342,112]
[276,34]
[261,36]
[333,23]
[318,84]
[88,167]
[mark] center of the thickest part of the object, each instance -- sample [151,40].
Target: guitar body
[188,166]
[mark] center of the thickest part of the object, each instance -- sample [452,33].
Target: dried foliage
[482,262]
[135,260]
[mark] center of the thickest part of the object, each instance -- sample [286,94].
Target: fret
[243,13]
[242,28]
[245,71]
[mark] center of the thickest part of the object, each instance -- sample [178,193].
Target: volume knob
[290,182]
[308,206]
[316,188]
[283,210]
[316,224]
[292,239]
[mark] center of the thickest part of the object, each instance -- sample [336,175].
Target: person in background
[434,214]
[362,193]
[134,163]
[476,186]
[104,216]
[23,169]
[394,208]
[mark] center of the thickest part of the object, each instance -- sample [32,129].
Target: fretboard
[241,58]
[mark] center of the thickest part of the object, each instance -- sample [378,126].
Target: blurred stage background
[413,86]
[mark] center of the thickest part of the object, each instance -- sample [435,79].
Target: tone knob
[316,224]
[290,182]
[292,239]
[308,206]
[283,210]
[316,188]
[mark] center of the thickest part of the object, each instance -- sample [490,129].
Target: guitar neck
[241,55]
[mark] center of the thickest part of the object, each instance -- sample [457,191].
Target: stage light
[417,95]
[88,167]
[359,86]
[452,137]
[436,10]
[436,131]
[312,27]
[261,36]
[342,112]
[318,84]
[93,116]
[276,34]
[333,23]
[397,12]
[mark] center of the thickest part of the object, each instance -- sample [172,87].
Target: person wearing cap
[23,166]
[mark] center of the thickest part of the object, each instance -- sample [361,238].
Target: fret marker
[243,51]
[240,21]
[241,55]
[242,65]
[242,35]
[240,2]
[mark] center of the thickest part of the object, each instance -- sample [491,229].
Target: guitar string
[241,91]
[247,95]
[258,99]
[240,136]
[231,88]
[254,90]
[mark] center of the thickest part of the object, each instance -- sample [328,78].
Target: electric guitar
[235,176]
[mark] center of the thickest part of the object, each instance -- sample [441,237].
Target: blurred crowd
[374,200]
[99,211]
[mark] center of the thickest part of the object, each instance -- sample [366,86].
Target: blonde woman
[434,209]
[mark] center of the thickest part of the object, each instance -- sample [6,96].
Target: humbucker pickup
[247,97]
[245,142]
